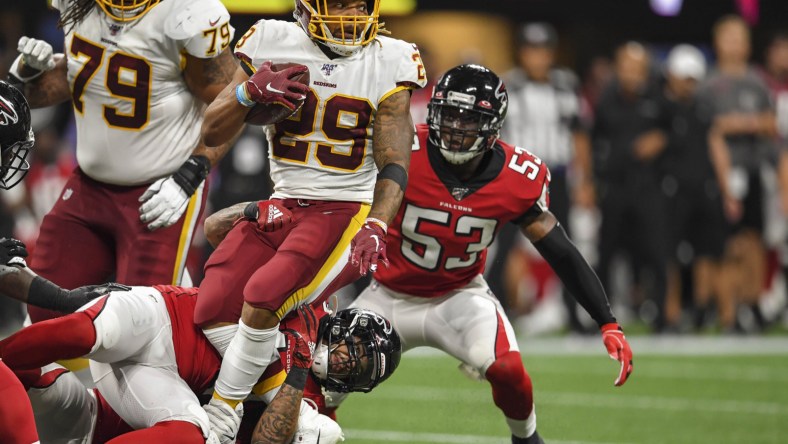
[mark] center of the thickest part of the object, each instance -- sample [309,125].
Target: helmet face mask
[466,112]
[126,10]
[358,350]
[16,136]
[343,34]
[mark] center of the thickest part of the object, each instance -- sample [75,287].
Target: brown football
[262,114]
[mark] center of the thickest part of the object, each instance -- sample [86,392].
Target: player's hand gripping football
[36,54]
[368,247]
[301,344]
[618,349]
[12,252]
[165,201]
[270,215]
[267,86]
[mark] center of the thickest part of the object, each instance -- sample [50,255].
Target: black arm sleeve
[575,273]
[45,294]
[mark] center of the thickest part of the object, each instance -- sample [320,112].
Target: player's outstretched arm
[392,142]
[20,283]
[279,421]
[270,215]
[550,239]
[39,73]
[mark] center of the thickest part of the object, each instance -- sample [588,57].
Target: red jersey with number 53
[438,241]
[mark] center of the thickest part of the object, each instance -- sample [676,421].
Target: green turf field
[670,399]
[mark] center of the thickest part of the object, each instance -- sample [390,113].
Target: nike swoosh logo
[214,22]
[272,89]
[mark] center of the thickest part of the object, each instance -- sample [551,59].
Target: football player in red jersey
[465,184]
[150,362]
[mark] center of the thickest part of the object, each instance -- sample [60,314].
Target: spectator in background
[696,218]
[741,143]
[629,137]
[544,117]
[775,73]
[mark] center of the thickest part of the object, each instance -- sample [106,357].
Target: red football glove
[301,344]
[267,86]
[618,349]
[369,246]
[270,215]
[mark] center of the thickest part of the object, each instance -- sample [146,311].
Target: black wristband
[16,82]
[191,174]
[395,172]
[577,276]
[297,378]
[252,211]
[45,294]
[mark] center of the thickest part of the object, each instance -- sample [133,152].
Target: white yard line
[591,400]
[646,345]
[399,436]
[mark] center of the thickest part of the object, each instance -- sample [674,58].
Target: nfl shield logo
[328,68]
[459,193]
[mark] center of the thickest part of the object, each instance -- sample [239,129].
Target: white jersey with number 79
[137,121]
[324,151]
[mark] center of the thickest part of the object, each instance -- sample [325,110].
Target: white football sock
[249,353]
[523,428]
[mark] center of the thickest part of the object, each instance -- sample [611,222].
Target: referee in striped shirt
[544,118]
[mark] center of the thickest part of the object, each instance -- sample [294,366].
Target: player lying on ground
[150,362]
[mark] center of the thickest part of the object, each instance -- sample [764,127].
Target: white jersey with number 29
[324,151]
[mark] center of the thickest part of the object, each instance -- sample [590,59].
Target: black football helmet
[358,350]
[468,103]
[16,136]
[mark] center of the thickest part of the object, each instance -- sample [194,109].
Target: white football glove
[163,203]
[36,54]
[316,428]
[224,421]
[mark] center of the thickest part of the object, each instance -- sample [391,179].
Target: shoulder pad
[194,18]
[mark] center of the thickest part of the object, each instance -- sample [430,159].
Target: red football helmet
[354,31]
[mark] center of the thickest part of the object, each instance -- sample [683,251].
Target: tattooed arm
[50,88]
[279,421]
[392,142]
[220,223]
[206,79]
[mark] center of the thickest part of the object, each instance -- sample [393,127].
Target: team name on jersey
[454,206]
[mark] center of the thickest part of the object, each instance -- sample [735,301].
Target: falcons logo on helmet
[8,114]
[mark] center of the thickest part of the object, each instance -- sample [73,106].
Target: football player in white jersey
[339,167]
[139,74]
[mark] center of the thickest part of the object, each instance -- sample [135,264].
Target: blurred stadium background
[696,379]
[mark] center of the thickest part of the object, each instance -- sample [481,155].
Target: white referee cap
[686,61]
